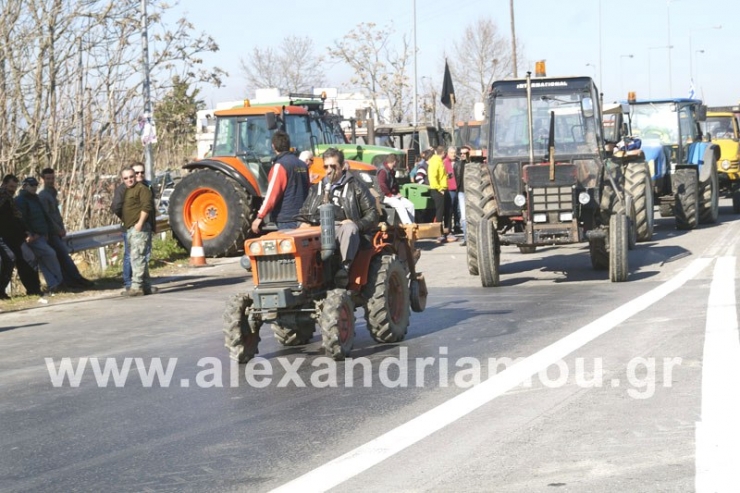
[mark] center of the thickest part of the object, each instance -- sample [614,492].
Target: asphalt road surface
[556,381]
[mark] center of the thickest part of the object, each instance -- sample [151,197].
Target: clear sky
[566,33]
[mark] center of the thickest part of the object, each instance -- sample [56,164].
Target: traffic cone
[197,255]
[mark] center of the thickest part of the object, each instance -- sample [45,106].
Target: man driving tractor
[354,209]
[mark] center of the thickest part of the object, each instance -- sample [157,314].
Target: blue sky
[563,32]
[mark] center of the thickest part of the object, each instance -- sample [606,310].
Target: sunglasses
[331,167]
[139,172]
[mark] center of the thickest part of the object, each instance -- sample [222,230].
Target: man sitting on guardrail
[38,227]
[48,198]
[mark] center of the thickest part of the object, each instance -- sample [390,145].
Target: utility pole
[416,102]
[148,157]
[513,39]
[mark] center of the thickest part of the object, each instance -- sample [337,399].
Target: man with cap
[39,227]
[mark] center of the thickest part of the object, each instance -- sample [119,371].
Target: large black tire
[686,192]
[638,184]
[709,194]
[599,255]
[293,336]
[479,201]
[387,293]
[489,254]
[239,339]
[619,226]
[337,322]
[222,208]
[736,202]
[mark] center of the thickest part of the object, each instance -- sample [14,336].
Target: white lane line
[377,450]
[718,432]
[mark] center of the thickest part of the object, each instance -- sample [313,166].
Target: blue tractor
[682,165]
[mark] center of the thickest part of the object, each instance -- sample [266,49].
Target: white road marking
[718,432]
[379,449]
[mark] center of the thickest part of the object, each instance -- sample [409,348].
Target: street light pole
[513,38]
[621,71]
[691,50]
[148,164]
[416,100]
[670,73]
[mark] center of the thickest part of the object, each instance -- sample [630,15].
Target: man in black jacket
[459,170]
[354,209]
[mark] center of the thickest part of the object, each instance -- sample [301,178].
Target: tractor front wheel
[337,322]
[388,299]
[239,338]
[489,254]
[619,231]
[220,206]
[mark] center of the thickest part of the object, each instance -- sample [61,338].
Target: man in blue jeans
[48,198]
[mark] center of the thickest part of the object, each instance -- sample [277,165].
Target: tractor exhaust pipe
[328,235]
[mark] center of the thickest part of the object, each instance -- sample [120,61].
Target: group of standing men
[32,234]
[444,172]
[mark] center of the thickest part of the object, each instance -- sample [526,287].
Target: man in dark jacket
[354,209]
[13,235]
[288,186]
[39,227]
[48,198]
[459,169]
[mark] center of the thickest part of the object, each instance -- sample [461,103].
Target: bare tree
[482,55]
[291,67]
[70,90]
[380,67]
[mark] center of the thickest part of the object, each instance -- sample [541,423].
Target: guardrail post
[103,260]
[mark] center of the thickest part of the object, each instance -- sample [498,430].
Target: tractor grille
[276,269]
[552,199]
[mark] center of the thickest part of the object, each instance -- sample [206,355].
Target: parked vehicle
[723,127]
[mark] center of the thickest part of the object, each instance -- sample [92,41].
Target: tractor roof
[542,84]
[394,128]
[261,110]
[663,101]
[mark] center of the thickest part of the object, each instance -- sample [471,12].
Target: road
[556,381]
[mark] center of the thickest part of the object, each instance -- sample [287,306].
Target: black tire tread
[329,323]
[241,342]
[638,184]
[685,186]
[377,312]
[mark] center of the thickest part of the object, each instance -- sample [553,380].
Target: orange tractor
[293,274]
[224,191]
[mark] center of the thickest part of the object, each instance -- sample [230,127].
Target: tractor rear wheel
[288,335]
[638,184]
[736,201]
[220,206]
[479,201]
[709,195]
[239,338]
[387,294]
[619,231]
[489,254]
[337,322]
[686,190]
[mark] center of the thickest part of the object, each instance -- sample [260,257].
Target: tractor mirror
[587,105]
[701,113]
[272,123]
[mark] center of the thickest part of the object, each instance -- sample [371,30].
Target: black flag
[448,92]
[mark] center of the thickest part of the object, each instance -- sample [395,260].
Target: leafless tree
[482,55]
[291,67]
[380,67]
[70,90]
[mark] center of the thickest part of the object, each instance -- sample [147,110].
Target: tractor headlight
[584,198]
[286,246]
[269,247]
[539,218]
[726,164]
[520,200]
[255,248]
[566,216]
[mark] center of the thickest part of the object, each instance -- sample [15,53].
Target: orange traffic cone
[197,255]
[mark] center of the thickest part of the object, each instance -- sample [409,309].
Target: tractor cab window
[299,129]
[655,123]
[688,126]
[255,140]
[574,133]
[224,139]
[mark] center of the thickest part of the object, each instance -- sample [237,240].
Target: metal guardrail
[101,237]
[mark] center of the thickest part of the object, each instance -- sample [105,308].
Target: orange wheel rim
[208,208]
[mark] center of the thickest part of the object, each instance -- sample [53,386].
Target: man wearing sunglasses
[354,209]
[136,212]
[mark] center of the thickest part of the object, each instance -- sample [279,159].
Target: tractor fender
[225,169]
[710,158]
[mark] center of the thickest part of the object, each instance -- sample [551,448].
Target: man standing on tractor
[354,209]
[288,186]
